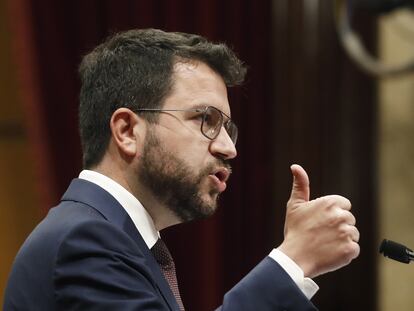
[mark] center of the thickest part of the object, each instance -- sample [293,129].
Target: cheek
[194,154]
[189,146]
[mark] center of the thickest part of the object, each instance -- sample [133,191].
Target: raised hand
[320,235]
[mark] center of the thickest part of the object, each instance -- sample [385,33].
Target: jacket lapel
[91,194]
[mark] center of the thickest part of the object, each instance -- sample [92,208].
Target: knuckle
[349,217]
[345,201]
[351,250]
[326,200]
[336,218]
[357,234]
[340,216]
[336,201]
[352,220]
[344,231]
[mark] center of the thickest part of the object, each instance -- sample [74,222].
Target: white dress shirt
[139,215]
[145,226]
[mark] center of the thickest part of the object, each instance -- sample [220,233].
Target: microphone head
[395,251]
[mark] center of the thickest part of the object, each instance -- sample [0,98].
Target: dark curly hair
[133,69]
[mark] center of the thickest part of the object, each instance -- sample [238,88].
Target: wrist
[302,261]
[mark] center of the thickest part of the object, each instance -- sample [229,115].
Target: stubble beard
[174,183]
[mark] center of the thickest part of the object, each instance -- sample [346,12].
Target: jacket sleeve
[98,267]
[266,287]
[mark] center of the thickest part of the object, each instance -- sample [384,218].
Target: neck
[161,215]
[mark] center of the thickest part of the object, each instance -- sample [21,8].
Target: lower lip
[220,185]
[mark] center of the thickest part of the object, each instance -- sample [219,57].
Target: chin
[210,204]
[203,206]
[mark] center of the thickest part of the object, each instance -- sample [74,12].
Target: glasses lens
[212,122]
[232,130]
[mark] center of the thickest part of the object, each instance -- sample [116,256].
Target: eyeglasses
[212,121]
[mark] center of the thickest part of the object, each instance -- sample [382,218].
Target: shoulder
[93,234]
[99,260]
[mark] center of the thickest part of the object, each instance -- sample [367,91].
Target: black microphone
[396,251]
[380,6]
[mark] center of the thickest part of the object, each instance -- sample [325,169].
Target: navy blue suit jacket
[88,255]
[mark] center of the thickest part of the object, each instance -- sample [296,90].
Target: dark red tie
[163,257]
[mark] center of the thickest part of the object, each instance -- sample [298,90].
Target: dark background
[303,102]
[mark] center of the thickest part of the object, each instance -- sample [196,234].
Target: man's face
[183,169]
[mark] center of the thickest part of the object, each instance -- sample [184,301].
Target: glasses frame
[226,123]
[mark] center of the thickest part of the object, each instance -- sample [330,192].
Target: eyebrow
[200,106]
[203,106]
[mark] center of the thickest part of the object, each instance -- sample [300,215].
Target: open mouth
[222,174]
[220,177]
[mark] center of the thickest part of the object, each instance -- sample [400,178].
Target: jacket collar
[91,194]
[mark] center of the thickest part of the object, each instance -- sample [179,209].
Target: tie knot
[162,254]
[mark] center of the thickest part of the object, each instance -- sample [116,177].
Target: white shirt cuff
[307,285]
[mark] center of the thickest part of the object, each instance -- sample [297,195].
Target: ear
[127,131]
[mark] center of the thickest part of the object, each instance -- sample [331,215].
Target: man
[157,137]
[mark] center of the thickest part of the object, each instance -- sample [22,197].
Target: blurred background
[330,87]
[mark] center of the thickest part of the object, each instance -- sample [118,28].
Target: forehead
[195,84]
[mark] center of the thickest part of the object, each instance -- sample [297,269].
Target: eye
[208,118]
[212,118]
[197,116]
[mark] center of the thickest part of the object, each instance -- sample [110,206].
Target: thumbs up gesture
[320,235]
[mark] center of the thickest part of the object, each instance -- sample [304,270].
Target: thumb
[300,187]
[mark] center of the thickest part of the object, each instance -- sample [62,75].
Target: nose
[223,147]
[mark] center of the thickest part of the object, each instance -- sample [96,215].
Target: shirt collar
[139,215]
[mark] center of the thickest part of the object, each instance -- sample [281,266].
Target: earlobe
[125,131]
